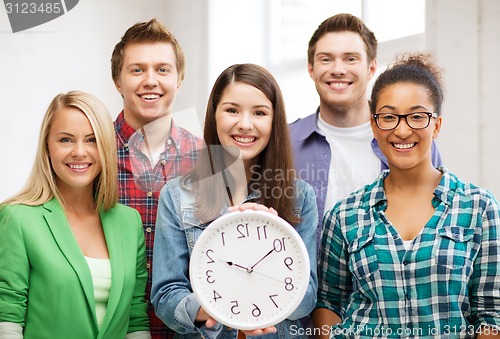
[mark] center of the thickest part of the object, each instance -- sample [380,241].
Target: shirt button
[148,265]
[150,194]
[148,229]
[394,237]
[405,263]
[163,162]
[455,236]
[126,146]
[169,142]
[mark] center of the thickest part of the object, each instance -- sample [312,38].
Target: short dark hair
[146,32]
[344,22]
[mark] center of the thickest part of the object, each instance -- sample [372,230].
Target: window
[275,34]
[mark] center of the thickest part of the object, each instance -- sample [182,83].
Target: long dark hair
[273,176]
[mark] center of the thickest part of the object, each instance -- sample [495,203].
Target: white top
[10,330]
[353,163]
[407,244]
[100,269]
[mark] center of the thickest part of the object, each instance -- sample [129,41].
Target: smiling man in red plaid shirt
[148,68]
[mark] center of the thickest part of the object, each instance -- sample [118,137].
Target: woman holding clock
[247,166]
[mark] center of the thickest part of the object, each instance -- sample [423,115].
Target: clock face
[249,270]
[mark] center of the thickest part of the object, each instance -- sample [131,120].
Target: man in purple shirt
[334,147]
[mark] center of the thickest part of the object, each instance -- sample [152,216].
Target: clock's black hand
[250,269]
[230,263]
[265,256]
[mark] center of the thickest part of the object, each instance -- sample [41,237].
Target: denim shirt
[177,230]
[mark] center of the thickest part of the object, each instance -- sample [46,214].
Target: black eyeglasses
[415,120]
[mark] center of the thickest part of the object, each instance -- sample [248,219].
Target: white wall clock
[249,269]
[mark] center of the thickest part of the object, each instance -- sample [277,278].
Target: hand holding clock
[202,314]
[252,206]
[221,253]
[256,207]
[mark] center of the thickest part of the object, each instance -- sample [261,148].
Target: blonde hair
[41,185]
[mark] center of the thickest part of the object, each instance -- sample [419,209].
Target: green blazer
[45,281]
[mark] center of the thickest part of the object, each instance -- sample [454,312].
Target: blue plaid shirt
[446,284]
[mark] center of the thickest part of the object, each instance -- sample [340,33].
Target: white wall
[72,52]
[465,36]
[489,92]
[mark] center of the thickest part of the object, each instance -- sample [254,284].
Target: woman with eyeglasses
[417,252]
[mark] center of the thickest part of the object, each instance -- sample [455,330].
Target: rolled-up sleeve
[485,282]
[14,268]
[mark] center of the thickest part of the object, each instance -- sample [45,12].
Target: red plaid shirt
[140,185]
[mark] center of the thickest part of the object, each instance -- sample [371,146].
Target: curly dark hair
[417,68]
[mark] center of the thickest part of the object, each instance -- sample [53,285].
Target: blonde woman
[73,260]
